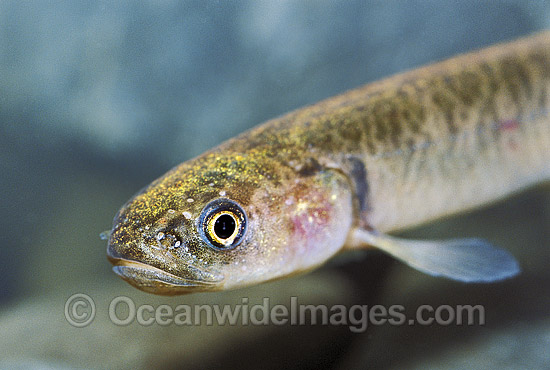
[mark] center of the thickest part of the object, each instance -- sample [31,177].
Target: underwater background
[99,98]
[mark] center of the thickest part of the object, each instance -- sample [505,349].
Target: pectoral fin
[467,260]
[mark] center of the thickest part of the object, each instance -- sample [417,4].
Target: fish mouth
[154,280]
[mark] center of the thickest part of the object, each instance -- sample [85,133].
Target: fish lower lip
[146,276]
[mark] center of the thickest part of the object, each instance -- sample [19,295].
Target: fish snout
[153,266]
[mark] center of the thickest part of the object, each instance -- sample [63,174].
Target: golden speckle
[302,206]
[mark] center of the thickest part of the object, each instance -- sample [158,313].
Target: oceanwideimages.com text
[80,311]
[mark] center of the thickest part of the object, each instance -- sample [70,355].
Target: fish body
[288,195]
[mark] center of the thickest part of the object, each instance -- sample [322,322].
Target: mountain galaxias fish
[286,196]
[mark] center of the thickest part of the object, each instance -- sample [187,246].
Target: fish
[344,174]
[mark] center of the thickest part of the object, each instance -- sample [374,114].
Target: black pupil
[224,226]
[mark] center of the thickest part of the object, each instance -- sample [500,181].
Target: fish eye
[222,223]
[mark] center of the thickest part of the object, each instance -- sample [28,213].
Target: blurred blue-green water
[99,98]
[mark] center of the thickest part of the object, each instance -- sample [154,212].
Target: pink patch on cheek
[299,225]
[310,213]
[310,224]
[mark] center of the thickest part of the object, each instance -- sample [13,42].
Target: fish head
[225,221]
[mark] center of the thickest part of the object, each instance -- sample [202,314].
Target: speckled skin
[433,141]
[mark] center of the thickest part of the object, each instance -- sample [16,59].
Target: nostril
[167,240]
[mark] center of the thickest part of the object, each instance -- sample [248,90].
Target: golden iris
[223,227]
[222,223]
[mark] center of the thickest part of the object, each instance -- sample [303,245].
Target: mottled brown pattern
[390,113]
